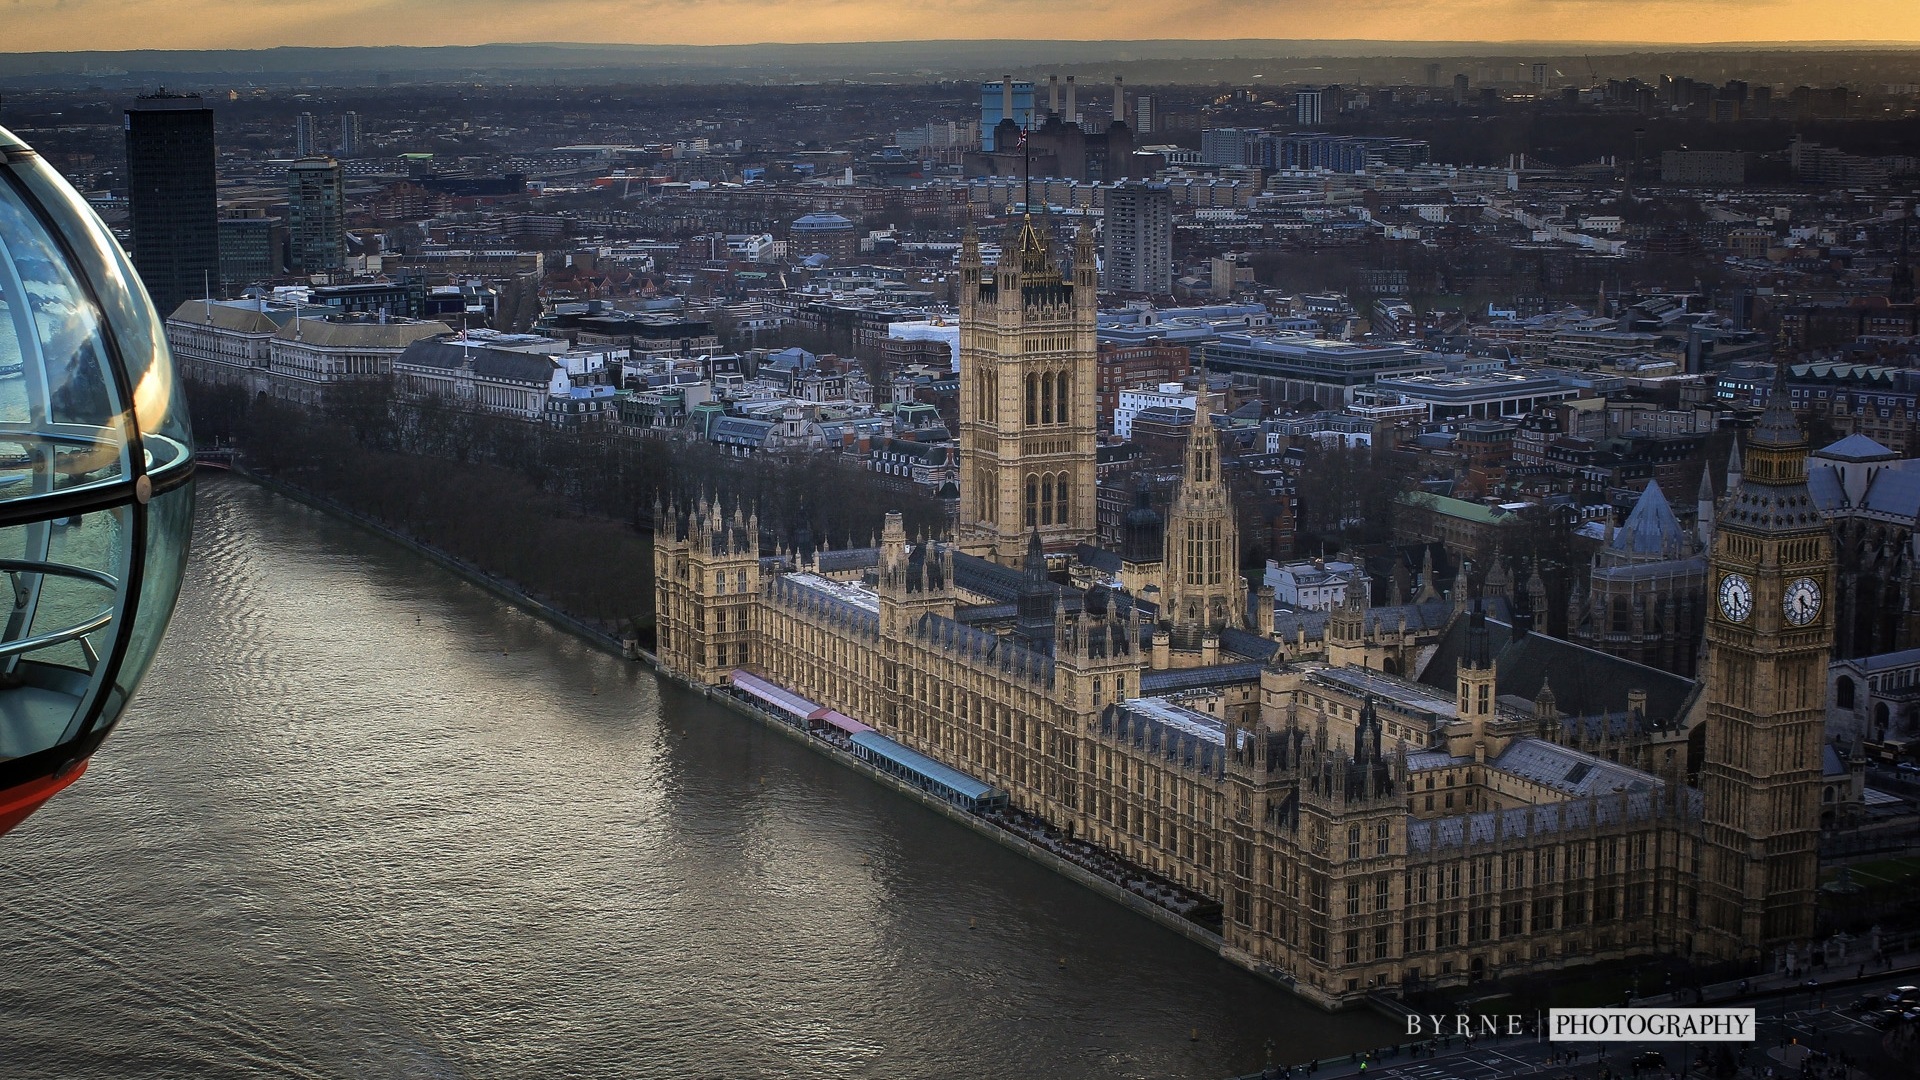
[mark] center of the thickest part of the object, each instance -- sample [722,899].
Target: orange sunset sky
[47,25]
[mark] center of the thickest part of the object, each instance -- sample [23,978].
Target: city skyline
[60,25]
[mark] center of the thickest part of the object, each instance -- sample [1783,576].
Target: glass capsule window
[96,468]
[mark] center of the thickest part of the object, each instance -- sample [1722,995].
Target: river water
[367,820]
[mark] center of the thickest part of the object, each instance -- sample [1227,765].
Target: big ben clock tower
[1768,642]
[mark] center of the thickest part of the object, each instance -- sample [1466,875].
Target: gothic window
[1046,398]
[1033,399]
[1060,499]
[1046,499]
[1033,500]
[1843,692]
[1060,397]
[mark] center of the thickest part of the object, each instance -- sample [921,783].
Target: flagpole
[1027,145]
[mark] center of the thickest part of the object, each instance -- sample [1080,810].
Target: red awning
[842,721]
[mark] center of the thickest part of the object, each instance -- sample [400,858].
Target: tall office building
[1143,114]
[349,134]
[250,248]
[1139,240]
[171,191]
[306,135]
[1225,146]
[1460,88]
[1308,107]
[316,221]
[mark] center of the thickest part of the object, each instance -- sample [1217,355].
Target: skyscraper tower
[1768,643]
[1139,239]
[316,221]
[1028,409]
[349,134]
[171,191]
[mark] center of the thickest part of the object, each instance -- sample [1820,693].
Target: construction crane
[1593,77]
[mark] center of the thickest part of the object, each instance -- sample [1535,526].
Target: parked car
[1902,994]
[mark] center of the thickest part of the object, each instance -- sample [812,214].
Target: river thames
[366,819]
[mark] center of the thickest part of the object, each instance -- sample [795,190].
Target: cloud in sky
[66,25]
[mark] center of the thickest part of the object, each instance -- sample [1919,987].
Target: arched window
[1060,499]
[1033,500]
[1046,499]
[1843,692]
[1046,398]
[1033,399]
[1060,397]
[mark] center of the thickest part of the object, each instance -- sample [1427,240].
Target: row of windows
[1047,397]
[1048,499]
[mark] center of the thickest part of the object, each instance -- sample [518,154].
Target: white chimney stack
[1073,115]
[1053,94]
[1119,102]
[1006,97]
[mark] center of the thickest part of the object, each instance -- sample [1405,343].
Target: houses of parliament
[1369,815]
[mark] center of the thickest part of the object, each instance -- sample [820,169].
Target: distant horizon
[1421,45]
[64,26]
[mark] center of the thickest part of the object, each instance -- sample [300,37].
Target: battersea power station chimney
[1119,102]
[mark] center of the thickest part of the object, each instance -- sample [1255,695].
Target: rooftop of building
[1405,694]
[1570,771]
[1856,447]
[1587,683]
[1180,718]
[1652,530]
[360,331]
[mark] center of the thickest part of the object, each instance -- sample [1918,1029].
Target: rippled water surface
[366,820]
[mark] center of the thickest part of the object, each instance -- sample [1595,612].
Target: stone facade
[1517,804]
[1028,399]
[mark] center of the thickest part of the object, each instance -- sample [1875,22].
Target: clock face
[1736,597]
[1801,602]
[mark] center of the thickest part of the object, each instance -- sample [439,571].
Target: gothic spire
[1777,425]
[1479,654]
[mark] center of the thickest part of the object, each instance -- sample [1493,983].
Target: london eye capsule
[96,492]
